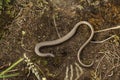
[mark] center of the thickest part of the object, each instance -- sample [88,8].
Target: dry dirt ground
[45,20]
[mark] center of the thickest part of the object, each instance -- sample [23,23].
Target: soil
[38,21]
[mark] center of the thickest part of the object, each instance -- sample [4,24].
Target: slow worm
[65,38]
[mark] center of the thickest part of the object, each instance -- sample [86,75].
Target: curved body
[65,38]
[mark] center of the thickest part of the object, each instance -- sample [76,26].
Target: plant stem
[12,66]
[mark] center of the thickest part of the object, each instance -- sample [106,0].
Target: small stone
[23,33]
[44,78]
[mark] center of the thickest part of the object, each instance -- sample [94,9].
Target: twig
[20,12]
[117,27]
[110,70]
[104,39]
[6,65]
[99,63]
[56,27]
[22,43]
[77,73]
[71,76]
[66,74]
[110,74]
[80,69]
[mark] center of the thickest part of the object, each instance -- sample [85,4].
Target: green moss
[4,6]
[6,10]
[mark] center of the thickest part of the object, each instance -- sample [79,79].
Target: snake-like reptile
[65,38]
